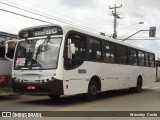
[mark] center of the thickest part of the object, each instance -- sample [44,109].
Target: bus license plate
[31,87]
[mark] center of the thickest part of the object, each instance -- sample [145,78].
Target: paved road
[147,100]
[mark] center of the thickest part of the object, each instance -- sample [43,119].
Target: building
[6,36]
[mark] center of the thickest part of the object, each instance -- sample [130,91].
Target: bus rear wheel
[92,91]
[138,88]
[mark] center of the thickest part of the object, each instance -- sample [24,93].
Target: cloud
[94,14]
[77,3]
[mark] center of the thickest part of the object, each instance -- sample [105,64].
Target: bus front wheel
[92,91]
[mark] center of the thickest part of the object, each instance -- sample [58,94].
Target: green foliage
[7,88]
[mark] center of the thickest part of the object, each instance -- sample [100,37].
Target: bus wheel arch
[139,85]
[97,81]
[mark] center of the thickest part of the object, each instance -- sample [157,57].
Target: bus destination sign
[43,31]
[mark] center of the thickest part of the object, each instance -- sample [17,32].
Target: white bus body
[5,67]
[79,72]
[5,72]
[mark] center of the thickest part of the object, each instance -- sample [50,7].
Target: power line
[26,16]
[36,13]
[147,39]
[32,12]
[37,18]
[129,19]
[63,21]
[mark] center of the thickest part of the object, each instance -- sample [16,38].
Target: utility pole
[116,16]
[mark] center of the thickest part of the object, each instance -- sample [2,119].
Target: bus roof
[67,28]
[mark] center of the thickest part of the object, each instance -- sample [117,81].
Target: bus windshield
[37,54]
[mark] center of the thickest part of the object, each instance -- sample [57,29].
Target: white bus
[58,60]
[5,69]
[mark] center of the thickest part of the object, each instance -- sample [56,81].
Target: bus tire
[54,97]
[138,88]
[92,91]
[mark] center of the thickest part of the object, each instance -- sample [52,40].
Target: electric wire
[25,16]
[42,20]
[32,12]
[63,21]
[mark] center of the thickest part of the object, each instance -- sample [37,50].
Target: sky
[93,15]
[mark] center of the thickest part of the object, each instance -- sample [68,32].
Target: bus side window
[109,52]
[94,47]
[11,48]
[146,59]
[151,60]
[133,57]
[122,57]
[141,61]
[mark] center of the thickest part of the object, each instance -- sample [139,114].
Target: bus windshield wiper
[42,46]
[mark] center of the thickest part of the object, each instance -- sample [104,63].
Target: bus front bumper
[54,87]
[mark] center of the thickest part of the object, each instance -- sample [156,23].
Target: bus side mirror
[71,48]
[6,48]
[9,49]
